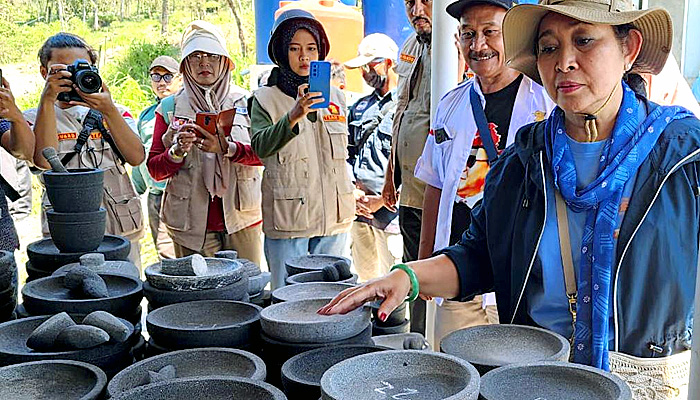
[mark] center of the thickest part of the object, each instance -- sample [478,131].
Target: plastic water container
[264,19]
[344,26]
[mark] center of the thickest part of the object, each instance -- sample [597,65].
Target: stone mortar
[311,262]
[298,322]
[207,323]
[159,298]
[210,388]
[306,291]
[415,374]
[97,263]
[220,273]
[491,346]
[552,380]
[378,330]
[45,256]
[215,361]
[52,380]
[315,276]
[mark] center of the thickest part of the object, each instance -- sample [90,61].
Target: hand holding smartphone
[320,81]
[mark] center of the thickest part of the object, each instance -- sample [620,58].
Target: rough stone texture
[165,373]
[339,271]
[210,388]
[50,296]
[315,276]
[251,268]
[104,267]
[415,343]
[46,257]
[305,291]
[84,281]
[397,317]
[298,322]
[8,270]
[257,283]
[78,190]
[396,341]
[208,323]
[311,262]
[192,363]
[14,350]
[109,323]
[77,232]
[194,265]
[81,337]
[158,298]
[44,336]
[491,346]
[220,272]
[52,380]
[301,374]
[413,374]
[228,254]
[378,330]
[552,380]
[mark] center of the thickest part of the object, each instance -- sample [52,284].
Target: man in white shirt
[457,154]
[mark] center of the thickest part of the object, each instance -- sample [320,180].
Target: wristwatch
[171,153]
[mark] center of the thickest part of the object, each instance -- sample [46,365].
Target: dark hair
[634,80]
[64,40]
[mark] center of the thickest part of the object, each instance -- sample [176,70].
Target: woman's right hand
[57,81]
[304,102]
[392,289]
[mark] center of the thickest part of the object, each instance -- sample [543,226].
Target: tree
[239,26]
[164,17]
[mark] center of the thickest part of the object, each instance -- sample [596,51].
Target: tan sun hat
[376,45]
[521,24]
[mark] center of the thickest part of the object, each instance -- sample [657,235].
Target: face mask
[375,80]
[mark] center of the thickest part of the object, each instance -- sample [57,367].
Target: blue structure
[264,19]
[387,17]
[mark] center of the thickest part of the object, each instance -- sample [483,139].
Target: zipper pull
[656,349]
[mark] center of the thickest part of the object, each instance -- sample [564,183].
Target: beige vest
[307,191]
[123,205]
[186,198]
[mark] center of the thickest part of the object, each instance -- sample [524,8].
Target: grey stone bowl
[77,232]
[52,380]
[298,322]
[397,317]
[203,362]
[257,283]
[305,291]
[379,330]
[209,388]
[48,296]
[14,350]
[97,263]
[45,256]
[207,323]
[78,190]
[158,297]
[552,380]
[315,276]
[388,374]
[492,346]
[221,272]
[301,374]
[311,262]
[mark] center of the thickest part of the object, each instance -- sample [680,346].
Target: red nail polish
[383,317]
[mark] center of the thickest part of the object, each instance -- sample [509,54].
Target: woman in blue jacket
[621,171]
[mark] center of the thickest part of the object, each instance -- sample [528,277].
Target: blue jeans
[277,251]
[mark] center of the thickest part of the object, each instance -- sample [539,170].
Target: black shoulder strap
[92,121]
[10,192]
[483,126]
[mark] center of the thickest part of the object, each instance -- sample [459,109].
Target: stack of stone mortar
[396,322]
[257,279]
[190,278]
[8,286]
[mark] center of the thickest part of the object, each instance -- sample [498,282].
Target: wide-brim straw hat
[521,25]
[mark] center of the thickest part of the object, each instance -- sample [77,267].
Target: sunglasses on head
[166,77]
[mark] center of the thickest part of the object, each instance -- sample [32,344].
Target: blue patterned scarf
[630,143]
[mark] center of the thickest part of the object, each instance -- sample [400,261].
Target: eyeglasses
[166,77]
[198,57]
[370,65]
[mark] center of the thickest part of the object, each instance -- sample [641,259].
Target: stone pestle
[164,374]
[50,155]
[86,282]
[340,270]
[194,265]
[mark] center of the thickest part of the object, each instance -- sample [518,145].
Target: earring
[628,67]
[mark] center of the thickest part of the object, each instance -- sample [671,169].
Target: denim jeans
[277,251]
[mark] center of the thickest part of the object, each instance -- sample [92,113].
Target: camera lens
[88,81]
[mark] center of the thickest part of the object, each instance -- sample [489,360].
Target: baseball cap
[376,45]
[457,8]
[166,62]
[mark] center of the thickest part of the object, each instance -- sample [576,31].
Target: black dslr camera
[85,77]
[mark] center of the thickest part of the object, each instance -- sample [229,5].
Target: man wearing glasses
[370,122]
[165,81]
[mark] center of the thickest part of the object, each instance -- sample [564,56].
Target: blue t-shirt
[548,305]
[4,126]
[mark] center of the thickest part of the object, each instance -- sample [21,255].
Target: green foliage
[138,58]
[128,92]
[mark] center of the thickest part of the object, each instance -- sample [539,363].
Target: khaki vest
[186,198]
[307,191]
[123,205]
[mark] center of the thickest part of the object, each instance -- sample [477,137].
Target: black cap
[457,8]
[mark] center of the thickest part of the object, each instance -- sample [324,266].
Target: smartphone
[207,121]
[320,81]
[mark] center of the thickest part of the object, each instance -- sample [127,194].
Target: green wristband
[415,288]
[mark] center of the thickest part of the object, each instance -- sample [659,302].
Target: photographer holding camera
[76,116]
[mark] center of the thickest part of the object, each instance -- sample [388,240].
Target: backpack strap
[167,106]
